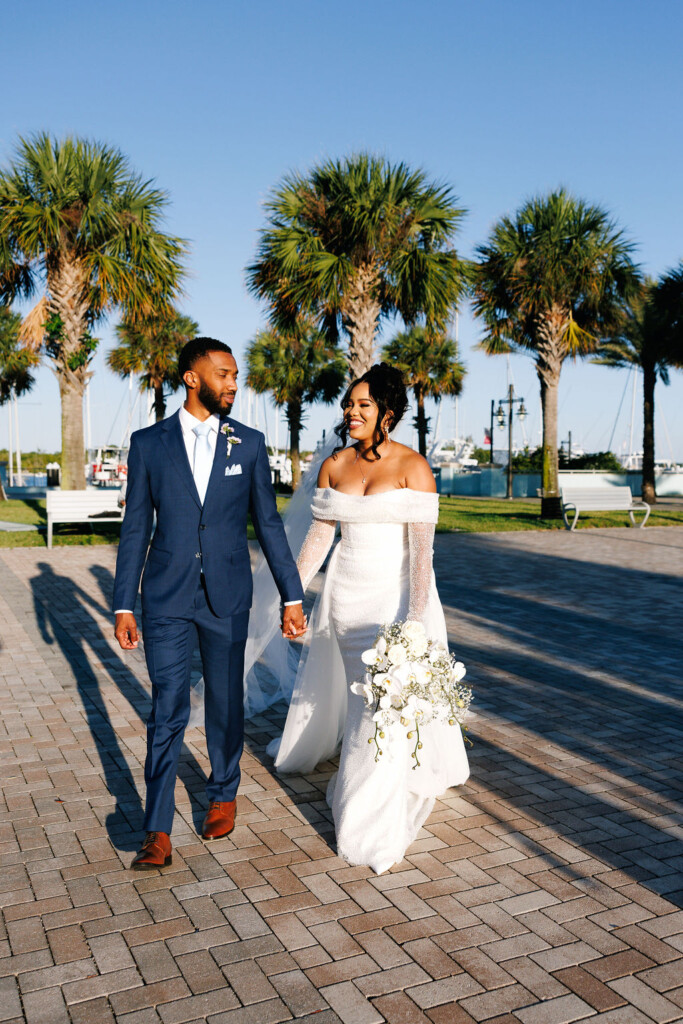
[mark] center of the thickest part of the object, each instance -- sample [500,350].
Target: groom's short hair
[197,349]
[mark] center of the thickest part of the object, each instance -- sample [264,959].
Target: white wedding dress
[381,571]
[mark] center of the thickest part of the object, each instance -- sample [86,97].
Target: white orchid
[375,656]
[363,690]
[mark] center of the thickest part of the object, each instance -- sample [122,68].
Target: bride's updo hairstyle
[388,390]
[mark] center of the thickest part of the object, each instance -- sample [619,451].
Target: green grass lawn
[496,515]
[456,515]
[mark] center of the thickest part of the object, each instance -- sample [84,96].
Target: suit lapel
[172,436]
[221,460]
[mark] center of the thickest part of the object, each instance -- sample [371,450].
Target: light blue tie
[203,458]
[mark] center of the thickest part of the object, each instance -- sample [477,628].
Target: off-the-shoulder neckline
[379,494]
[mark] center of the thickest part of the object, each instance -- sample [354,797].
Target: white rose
[397,654]
[418,646]
[413,630]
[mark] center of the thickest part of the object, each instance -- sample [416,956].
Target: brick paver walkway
[547,890]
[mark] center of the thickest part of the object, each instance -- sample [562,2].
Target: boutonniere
[230,437]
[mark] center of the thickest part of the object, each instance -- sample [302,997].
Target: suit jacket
[191,537]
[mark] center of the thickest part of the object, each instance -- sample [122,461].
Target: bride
[383,495]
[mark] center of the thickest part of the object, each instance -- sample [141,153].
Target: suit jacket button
[198,554]
[202,527]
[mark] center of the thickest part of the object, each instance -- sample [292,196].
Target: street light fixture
[510,401]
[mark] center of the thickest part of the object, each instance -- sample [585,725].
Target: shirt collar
[188,422]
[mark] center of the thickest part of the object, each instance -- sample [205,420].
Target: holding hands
[294,622]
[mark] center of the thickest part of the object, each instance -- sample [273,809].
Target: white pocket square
[233,470]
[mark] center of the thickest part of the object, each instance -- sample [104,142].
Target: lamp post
[510,401]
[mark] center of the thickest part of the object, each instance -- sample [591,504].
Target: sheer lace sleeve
[314,549]
[421,544]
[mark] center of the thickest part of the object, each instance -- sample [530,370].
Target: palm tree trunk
[421,421]
[551,505]
[649,380]
[73,446]
[550,353]
[294,420]
[360,317]
[68,287]
[159,401]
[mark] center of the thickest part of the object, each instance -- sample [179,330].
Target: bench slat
[599,499]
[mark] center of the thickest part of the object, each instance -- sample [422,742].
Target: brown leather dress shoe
[220,819]
[155,852]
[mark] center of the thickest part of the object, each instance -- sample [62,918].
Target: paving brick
[618,965]
[110,953]
[48,977]
[249,982]
[383,950]
[640,995]
[101,985]
[181,1011]
[335,940]
[498,1002]
[565,956]
[298,993]
[379,984]
[68,944]
[562,1010]
[134,999]
[200,971]
[99,1011]
[453,1013]
[447,990]
[663,978]
[155,962]
[398,1008]
[10,1000]
[430,956]
[350,1005]
[338,971]
[583,984]
[648,945]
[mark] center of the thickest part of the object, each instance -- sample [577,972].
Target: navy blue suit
[196,586]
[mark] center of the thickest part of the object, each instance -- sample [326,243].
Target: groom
[201,472]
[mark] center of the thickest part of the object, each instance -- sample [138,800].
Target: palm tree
[16,363]
[354,241]
[79,225]
[431,368]
[650,339]
[298,367]
[552,281]
[149,347]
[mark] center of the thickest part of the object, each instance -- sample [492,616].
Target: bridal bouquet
[411,680]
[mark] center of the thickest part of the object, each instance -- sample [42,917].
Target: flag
[487,436]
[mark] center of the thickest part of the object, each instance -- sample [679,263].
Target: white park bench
[600,499]
[82,507]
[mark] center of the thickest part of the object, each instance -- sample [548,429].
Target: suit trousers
[169,646]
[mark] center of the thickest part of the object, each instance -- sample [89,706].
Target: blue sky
[217,101]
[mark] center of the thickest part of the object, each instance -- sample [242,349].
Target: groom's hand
[126,631]
[293,621]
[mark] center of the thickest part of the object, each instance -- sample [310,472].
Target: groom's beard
[217,404]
